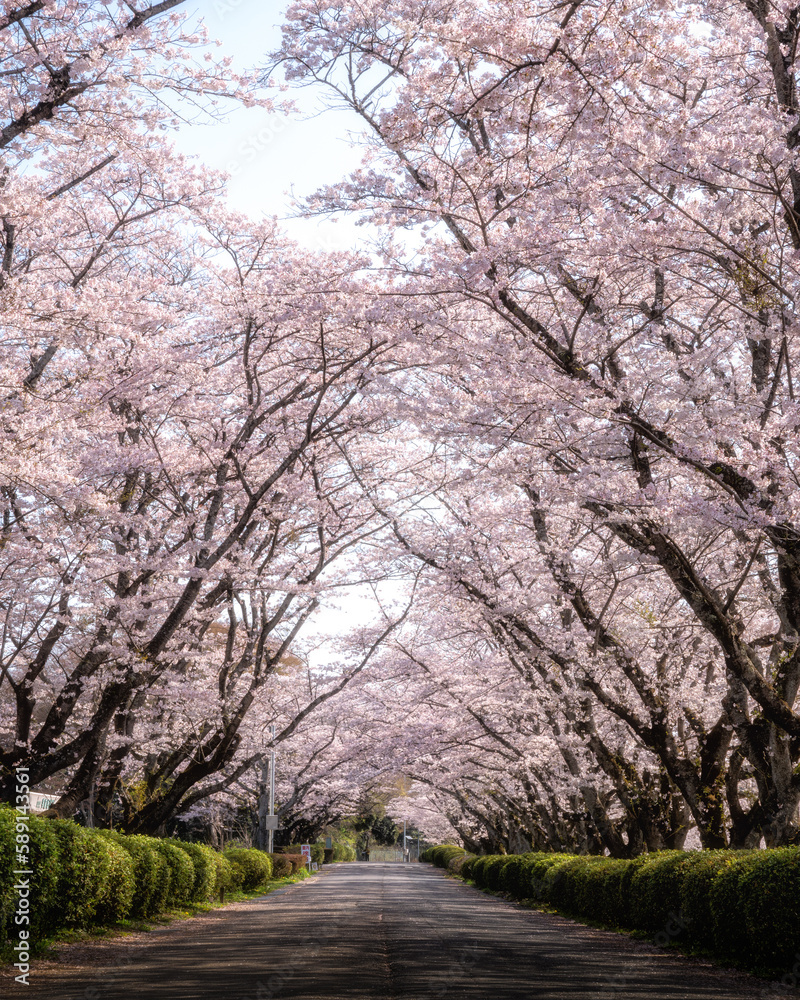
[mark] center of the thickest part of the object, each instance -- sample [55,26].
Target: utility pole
[267,821]
[271,831]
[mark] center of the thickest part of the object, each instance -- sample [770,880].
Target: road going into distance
[380,932]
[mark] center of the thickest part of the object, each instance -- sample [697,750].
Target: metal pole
[404,840]
[271,832]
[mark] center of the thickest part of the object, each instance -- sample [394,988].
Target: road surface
[380,932]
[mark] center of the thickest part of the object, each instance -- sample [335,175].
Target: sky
[268,155]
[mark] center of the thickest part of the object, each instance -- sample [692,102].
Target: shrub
[297,861]
[493,871]
[539,872]
[162,879]
[655,890]
[741,905]
[281,865]
[44,863]
[466,865]
[442,854]
[224,877]
[149,871]
[700,870]
[479,867]
[514,875]
[456,864]
[181,872]
[7,865]
[601,897]
[565,882]
[731,937]
[256,866]
[118,888]
[237,875]
[317,851]
[770,904]
[91,869]
[205,870]
[475,869]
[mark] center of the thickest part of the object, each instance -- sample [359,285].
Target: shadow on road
[383,932]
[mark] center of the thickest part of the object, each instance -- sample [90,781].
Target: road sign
[271,823]
[305,850]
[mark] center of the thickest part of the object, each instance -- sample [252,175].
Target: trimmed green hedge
[180,872]
[224,877]
[83,878]
[459,863]
[43,857]
[442,855]
[205,869]
[95,878]
[281,865]
[150,873]
[255,866]
[740,906]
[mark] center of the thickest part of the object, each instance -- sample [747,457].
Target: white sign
[40,801]
[314,866]
[305,850]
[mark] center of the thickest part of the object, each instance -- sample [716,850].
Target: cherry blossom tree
[177,382]
[606,197]
[558,400]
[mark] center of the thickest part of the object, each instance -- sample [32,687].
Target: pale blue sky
[266,154]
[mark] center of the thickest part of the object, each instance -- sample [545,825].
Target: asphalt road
[383,932]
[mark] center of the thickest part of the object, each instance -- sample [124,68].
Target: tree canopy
[550,416]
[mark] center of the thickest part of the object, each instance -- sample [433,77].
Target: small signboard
[271,823]
[305,850]
[314,866]
[328,843]
[42,801]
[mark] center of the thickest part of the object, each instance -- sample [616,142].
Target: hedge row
[442,854]
[85,878]
[740,906]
